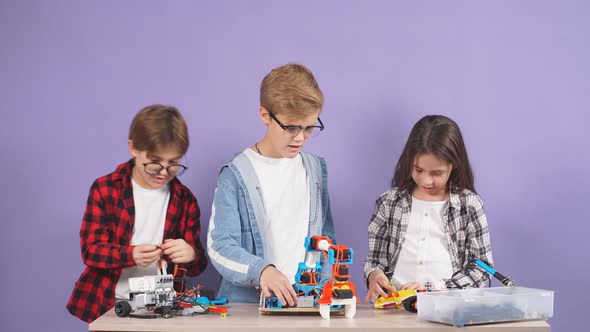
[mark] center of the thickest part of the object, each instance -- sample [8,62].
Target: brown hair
[159,126]
[440,136]
[291,89]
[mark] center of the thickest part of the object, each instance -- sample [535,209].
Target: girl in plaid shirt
[431,227]
[138,215]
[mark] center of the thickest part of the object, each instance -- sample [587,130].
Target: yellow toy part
[394,299]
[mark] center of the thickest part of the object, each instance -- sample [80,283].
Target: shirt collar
[454,198]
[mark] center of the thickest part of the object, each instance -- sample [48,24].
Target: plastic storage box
[485,305]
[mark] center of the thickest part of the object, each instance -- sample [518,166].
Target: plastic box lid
[485,305]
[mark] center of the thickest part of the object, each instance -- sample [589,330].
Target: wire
[467,272]
[195,290]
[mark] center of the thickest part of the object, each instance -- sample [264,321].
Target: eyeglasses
[155,168]
[293,131]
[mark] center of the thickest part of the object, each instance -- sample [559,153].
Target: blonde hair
[159,126]
[291,89]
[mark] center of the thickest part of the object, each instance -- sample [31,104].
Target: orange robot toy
[312,290]
[338,291]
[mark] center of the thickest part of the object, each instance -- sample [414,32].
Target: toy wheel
[122,309]
[410,304]
[166,312]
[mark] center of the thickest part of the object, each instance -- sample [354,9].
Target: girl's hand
[414,285]
[146,254]
[377,282]
[178,251]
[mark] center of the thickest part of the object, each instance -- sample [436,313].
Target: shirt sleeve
[96,236]
[192,235]
[478,246]
[328,223]
[224,247]
[379,238]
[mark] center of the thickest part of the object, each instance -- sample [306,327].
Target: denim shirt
[234,240]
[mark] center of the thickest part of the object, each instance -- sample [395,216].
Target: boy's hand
[178,251]
[146,254]
[415,285]
[273,281]
[377,282]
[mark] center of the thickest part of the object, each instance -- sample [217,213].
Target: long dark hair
[441,136]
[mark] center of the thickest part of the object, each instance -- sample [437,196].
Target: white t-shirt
[285,193]
[424,255]
[151,207]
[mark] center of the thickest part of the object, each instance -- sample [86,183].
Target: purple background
[513,74]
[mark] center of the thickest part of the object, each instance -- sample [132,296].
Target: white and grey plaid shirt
[466,230]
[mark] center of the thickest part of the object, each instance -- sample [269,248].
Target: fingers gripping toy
[406,298]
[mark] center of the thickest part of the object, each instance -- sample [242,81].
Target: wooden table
[245,317]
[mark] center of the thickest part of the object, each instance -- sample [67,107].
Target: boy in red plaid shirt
[138,215]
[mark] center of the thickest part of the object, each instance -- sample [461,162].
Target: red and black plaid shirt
[106,232]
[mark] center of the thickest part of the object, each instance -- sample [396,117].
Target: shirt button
[426,214]
[420,262]
[423,238]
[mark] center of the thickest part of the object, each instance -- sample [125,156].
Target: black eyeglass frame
[181,169]
[300,128]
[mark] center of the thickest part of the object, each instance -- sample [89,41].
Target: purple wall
[511,73]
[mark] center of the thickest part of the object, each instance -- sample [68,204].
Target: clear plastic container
[485,305]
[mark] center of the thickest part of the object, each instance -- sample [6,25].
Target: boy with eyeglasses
[138,215]
[272,195]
